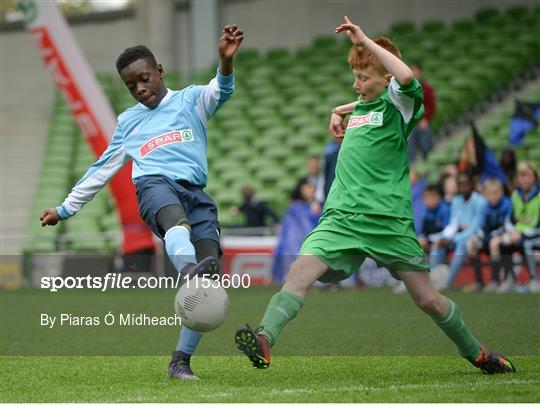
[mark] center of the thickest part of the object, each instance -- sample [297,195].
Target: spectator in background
[257,212]
[418,185]
[449,189]
[331,153]
[421,137]
[301,218]
[496,213]
[465,215]
[434,218]
[523,234]
[314,177]
[508,164]
[478,160]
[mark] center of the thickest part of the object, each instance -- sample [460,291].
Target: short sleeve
[407,99]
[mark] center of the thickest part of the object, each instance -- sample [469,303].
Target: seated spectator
[301,218]
[434,218]
[257,212]
[496,213]
[449,189]
[465,215]
[523,233]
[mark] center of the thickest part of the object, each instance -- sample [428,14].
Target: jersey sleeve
[408,100]
[209,98]
[95,178]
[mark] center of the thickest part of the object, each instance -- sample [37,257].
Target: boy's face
[369,83]
[526,179]
[307,192]
[431,199]
[144,82]
[493,194]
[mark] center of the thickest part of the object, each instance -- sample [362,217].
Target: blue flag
[525,119]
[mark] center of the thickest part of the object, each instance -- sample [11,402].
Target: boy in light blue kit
[165,135]
[465,219]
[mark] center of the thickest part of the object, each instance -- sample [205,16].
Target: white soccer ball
[202,304]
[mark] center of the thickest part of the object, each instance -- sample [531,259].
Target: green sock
[282,308]
[453,325]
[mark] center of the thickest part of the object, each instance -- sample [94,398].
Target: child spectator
[496,213]
[524,231]
[435,217]
[465,216]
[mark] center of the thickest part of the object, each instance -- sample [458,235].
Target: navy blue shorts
[156,192]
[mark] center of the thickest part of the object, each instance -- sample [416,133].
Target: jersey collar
[163,100]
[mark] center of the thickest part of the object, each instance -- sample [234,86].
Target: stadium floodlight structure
[74,78]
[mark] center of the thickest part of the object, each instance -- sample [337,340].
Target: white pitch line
[362,388]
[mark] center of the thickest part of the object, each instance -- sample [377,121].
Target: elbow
[407,78]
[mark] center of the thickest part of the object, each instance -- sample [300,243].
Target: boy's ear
[160,70]
[388,76]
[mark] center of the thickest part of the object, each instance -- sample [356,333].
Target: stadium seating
[279,114]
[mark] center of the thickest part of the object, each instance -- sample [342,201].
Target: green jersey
[372,172]
[526,213]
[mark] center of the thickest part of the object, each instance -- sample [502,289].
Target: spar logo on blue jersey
[373,118]
[184,135]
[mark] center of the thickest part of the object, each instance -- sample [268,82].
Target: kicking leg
[173,222]
[282,308]
[446,315]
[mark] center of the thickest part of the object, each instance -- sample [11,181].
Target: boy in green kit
[368,212]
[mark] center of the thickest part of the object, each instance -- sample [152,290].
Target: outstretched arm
[228,45]
[391,62]
[95,178]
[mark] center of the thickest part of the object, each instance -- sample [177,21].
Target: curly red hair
[362,58]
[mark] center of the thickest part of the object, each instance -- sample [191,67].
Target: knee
[297,279]
[471,247]
[430,304]
[494,244]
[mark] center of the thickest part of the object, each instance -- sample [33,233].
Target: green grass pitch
[347,346]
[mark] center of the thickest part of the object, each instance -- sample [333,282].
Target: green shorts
[343,240]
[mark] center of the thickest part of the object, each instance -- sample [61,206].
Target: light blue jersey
[169,140]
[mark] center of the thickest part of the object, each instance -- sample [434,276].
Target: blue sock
[188,341]
[458,260]
[179,247]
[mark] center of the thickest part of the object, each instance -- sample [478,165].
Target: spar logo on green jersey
[373,118]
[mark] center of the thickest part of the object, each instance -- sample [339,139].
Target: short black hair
[134,53]
[433,188]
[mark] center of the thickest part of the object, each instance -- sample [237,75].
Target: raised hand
[354,32]
[49,217]
[230,41]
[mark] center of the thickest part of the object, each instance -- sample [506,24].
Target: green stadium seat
[325,41]
[463,26]
[404,27]
[518,12]
[487,14]
[434,26]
